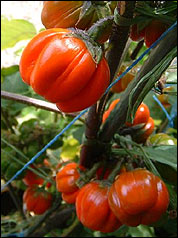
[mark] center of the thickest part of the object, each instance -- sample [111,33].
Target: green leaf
[141,231]
[163,154]
[15,30]
[170,176]
[13,83]
[70,148]
[78,133]
[153,76]
[9,70]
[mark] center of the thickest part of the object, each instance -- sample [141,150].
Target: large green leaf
[163,154]
[9,70]
[15,30]
[13,83]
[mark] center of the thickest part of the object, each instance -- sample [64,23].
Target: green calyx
[86,176]
[101,30]
[93,47]
[104,183]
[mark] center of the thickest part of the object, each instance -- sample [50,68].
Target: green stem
[24,156]
[119,38]
[15,149]
[114,56]
[115,171]
[149,163]
[67,231]
[86,176]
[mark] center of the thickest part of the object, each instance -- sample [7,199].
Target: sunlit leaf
[70,148]
[15,30]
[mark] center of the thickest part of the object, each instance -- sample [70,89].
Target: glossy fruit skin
[93,210]
[148,128]
[138,197]
[146,131]
[37,200]
[64,14]
[60,68]
[65,181]
[31,178]
[136,35]
[161,139]
[153,31]
[70,197]
[141,116]
[111,107]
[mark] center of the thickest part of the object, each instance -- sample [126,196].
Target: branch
[56,221]
[33,102]
[120,36]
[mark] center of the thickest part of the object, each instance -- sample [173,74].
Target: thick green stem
[70,228]
[118,42]
[86,177]
[119,37]
[116,171]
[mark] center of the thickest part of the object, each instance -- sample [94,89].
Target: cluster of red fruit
[135,197]
[150,33]
[35,197]
[142,115]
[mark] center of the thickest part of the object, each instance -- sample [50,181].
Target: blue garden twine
[84,111]
[164,110]
[20,234]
